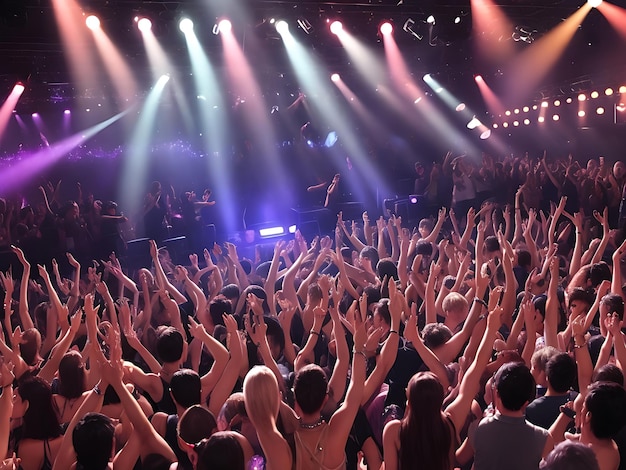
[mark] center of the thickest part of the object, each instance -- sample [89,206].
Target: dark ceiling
[30,48]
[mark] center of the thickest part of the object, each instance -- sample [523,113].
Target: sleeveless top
[46,464]
[313,458]
[171,437]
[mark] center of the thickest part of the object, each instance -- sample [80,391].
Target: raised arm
[552,306]
[25,318]
[604,221]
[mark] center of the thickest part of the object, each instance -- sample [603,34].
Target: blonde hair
[261,395]
[454,302]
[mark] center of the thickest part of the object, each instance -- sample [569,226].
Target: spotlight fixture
[92,22]
[600,110]
[336,27]
[608,91]
[556,117]
[525,109]
[305,24]
[541,119]
[457,19]
[224,26]
[335,77]
[67,111]
[486,134]
[594,3]
[282,27]
[186,25]
[460,107]
[473,123]
[386,28]
[544,104]
[526,122]
[622,89]
[621,107]
[430,20]
[582,97]
[557,102]
[19,88]
[144,25]
[594,94]
[581,113]
[478,78]
[409,27]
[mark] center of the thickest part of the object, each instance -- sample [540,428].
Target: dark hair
[370,253]
[386,267]
[599,272]
[609,373]
[615,304]
[382,308]
[423,248]
[275,332]
[217,308]
[314,291]
[92,439]
[40,420]
[515,385]
[230,291]
[195,424]
[581,295]
[436,334]
[539,302]
[570,455]
[524,258]
[222,451]
[561,372]
[425,437]
[606,401]
[30,345]
[373,294]
[310,387]
[71,375]
[169,344]
[260,293]
[492,244]
[186,387]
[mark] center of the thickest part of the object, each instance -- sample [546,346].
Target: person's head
[32,401]
[599,272]
[455,304]
[619,169]
[609,373]
[92,439]
[424,393]
[539,302]
[369,258]
[195,424]
[222,451]
[570,455]
[425,227]
[217,308]
[539,361]
[30,346]
[514,386]
[71,375]
[109,208]
[231,292]
[612,304]
[561,372]
[604,410]
[260,293]
[313,294]
[382,316]
[185,387]
[491,246]
[275,337]
[435,335]
[386,268]
[232,412]
[260,392]
[579,301]
[169,344]
[310,389]
[424,248]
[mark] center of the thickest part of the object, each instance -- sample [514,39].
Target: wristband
[362,353]
[567,411]
[394,331]
[578,346]
[313,332]
[481,301]
[97,390]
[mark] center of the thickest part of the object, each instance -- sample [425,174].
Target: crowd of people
[489,336]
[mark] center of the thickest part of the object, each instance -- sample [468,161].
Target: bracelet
[481,301]
[394,331]
[578,346]
[97,390]
[482,317]
[313,332]
[362,353]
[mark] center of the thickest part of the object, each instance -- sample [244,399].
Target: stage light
[144,25]
[535,107]
[282,27]
[557,102]
[417,100]
[473,123]
[478,78]
[92,22]
[66,112]
[594,94]
[427,77]
[525,109]
[526,121]
[622,89]
[495,125]
[386,28]
[516,123]
[35,115]
[507,113]
[457,20]
[581,113]
[594,3]
[556,117]
[600,110]
[224,26]
[621,107]
[486,134]
[460,107]
[413,198]
[544,104]
[608,91]
[505,124]
[541,119]
[516,110]
[335,77]
[271,231]
[292,229]
[569,100]
[336,27]
[186,25]
[430,20]
[582,97]
[19,88]
[163,79]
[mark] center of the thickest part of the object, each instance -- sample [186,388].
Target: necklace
[314,425]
